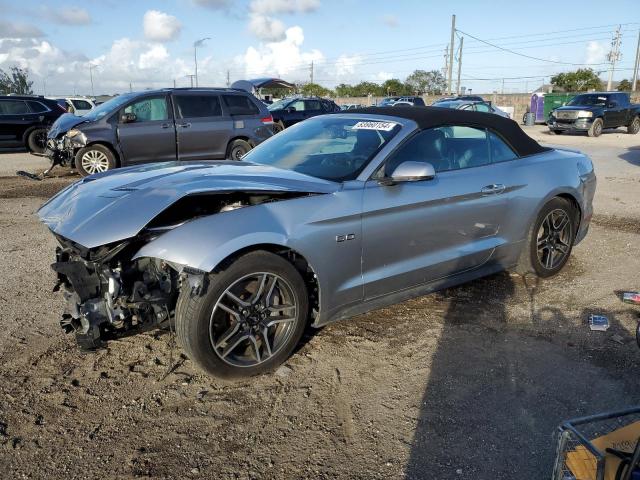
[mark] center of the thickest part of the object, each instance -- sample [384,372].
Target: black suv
[592,112]
[288,111]
[24,121]
[158,126]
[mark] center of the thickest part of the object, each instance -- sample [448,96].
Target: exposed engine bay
[108,295]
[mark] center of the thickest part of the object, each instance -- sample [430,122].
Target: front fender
[203,243]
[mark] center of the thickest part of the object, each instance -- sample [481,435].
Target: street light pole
[196,44]
[91,67]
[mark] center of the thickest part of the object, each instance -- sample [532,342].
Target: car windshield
[330,147]
[279,105]
[107,107]
[600,100]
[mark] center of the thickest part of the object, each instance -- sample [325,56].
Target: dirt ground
[469,383]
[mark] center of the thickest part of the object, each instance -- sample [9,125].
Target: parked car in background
[470,98]
[593,112]
[471,105]
[410,101]
[331,218]
[24,121]
[158,126]
[289,111]
[351,106]
[79,105]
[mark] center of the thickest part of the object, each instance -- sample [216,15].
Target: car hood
[588,108]
[63,124]
[117,205]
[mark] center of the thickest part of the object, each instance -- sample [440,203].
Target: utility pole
[130,87]
[451,48]
[502,91]
[191,77]
[91,67]
[311,69]
[445,70]
[228,81]
[635,68]
[174,83]
[459,63]
[614,55]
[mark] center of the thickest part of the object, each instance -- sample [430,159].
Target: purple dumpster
[537,106]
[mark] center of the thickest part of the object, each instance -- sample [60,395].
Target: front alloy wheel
[249,318]
[94,159]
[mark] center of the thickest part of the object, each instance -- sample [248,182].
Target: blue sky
[150,44]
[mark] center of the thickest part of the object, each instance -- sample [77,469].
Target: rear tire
[37,140]
[634,127]
[94,159]
[549,240]
[237,149]
[595,130]
[232,345]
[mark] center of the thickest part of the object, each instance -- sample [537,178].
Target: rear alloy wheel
[94,159]
[596,128]
[37,140]
[550,240]
[238,149]
[248,321]
[634,127]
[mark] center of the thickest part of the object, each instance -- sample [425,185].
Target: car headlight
[73,132]
[585,114]
[76,137]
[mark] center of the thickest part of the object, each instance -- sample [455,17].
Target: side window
[81,104]
[500,151]
[446,148]
[197,106]
[482,107]
[622,99]
[298,105]
[327,106]
[240,105]
[37,107]
[151,109]
[13,107]
[312,105]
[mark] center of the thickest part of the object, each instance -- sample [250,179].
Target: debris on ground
[631,297]
[598,323]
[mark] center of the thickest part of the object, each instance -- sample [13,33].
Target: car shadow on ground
[632,155]
[495,396]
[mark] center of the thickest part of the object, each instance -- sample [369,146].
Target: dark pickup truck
[593,112]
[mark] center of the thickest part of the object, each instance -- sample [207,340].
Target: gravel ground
[468,383]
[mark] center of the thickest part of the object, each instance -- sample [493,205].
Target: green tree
[15,81]
[364,89]
[315,89]
[393,86]
[431,83]
[624,86]
[581,80]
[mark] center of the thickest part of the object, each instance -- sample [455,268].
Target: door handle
[184,125]
[165,125]
[493,189]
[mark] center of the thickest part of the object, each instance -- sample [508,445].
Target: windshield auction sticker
[384,126]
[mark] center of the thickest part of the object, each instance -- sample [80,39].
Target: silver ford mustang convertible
[333,217]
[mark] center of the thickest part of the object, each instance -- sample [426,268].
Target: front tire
[94,159]
[595,130]
[556,132]
[634,127]
[550,240]
[248,320]
[37,140]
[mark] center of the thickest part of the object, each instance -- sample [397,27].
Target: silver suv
[181,124]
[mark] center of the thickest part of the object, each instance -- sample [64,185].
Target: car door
[15,119]
[149,135]
[418,232]
[312,108]
[203,128]
[616,116]
[295,112]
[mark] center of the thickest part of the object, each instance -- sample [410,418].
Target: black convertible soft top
[429,117]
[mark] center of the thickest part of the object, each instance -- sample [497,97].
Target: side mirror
[612,105]
[128,118]
[410,171]
[290,109]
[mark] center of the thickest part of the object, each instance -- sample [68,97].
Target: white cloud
[71,15]
[383,76]
[266,28]
[390,20]
[284,58]
[346,65]
[596,52]
[160,27]
[19,30]
[271,7]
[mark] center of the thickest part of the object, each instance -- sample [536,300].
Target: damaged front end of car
[108,295]
[61,150]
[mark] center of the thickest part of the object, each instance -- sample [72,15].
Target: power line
[526,56]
